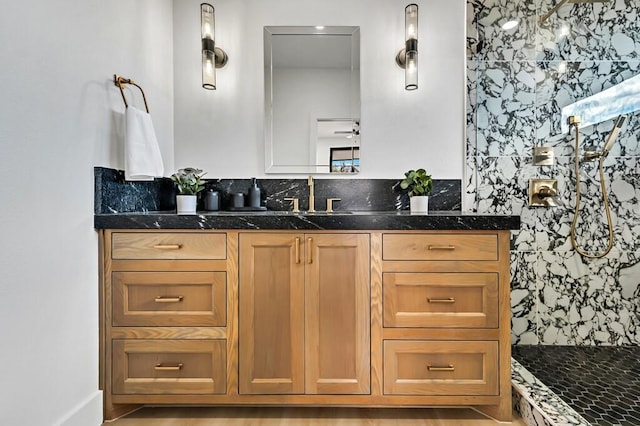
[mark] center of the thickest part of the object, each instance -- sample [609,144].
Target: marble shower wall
[518,81]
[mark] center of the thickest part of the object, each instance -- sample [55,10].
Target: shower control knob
[543,192]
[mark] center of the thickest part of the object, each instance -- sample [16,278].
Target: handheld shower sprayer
[611,139]
[613,135]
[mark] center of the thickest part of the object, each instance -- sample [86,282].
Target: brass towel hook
[121,81]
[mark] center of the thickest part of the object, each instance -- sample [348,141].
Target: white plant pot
[419,204]
[186,204]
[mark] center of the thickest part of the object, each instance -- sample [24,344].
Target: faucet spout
[312,198]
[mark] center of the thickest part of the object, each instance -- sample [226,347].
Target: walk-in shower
[575,319]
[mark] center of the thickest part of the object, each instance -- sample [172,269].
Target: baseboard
[87,413]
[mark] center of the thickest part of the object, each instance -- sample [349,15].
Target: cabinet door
[271,341]
[337,309]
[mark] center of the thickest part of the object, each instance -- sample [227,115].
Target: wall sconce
[407,58]
[212,57]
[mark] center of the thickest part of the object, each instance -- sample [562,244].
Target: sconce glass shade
[407,58]
[207,22]
[208,70]
[411,22]
[411,71]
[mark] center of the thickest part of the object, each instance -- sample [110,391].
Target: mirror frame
[269,32]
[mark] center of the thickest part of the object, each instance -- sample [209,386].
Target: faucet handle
[295,203]
[330,204]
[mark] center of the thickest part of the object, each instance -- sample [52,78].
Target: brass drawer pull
[168,299]
[297,250]
[160,367]
[168,246]
[439,247]
[447,300]
[450,367]
[309,250]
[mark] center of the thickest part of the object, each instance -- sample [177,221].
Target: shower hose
[605,199]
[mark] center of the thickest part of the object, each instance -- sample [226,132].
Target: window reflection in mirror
[311,77]
[337,145]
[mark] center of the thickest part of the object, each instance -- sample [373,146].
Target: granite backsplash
[115,195]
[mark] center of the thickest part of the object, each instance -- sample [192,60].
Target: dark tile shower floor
[600,383]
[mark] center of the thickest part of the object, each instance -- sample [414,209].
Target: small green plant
[189,180]
[418,182]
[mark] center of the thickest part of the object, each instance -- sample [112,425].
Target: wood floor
[201,416]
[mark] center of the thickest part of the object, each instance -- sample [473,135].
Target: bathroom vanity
[381,309]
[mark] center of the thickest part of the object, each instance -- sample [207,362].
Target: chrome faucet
[312,198]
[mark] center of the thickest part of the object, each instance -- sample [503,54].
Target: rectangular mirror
[312,99]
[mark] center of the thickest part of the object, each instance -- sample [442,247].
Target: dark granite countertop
[339,220]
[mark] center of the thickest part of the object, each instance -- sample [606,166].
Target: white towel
[142,157]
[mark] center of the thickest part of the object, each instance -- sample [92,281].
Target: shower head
[613,135]
[562,3]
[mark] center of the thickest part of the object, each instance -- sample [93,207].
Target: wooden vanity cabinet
[322,318]
[304,313]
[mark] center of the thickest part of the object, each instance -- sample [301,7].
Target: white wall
[58,119]
[222,130]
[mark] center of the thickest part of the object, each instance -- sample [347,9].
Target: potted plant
[189,182]
[419,184]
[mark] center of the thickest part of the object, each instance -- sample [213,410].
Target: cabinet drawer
[415,367]
[440,300]
[169,298]
[169,366]
[440,247]
[168,245]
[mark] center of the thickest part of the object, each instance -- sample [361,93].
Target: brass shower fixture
[574,121]
[562,3]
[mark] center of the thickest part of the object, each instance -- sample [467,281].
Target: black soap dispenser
[253,194]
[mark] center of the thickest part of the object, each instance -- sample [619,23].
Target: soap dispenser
[254,194]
